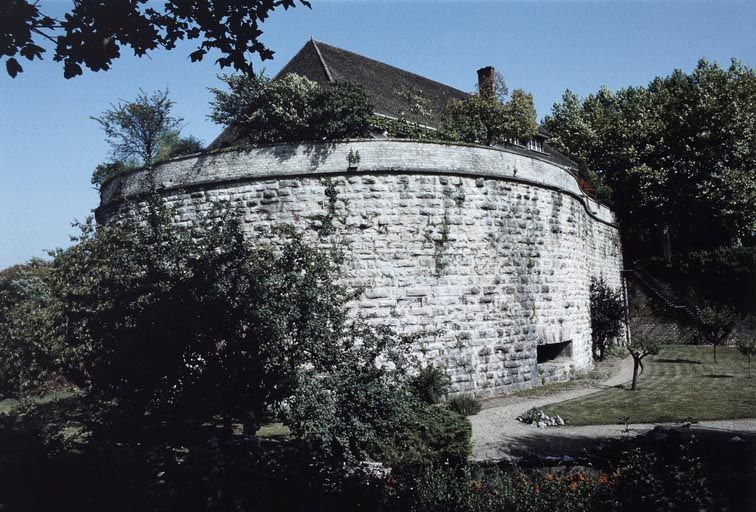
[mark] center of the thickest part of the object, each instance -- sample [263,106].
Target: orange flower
[549,477]
[477,486]
[572,486]
[602,479]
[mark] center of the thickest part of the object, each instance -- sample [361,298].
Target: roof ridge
[322,60]
[315,42]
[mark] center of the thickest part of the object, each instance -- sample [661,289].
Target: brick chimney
[486,83]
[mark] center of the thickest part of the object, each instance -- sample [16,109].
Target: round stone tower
[492,250]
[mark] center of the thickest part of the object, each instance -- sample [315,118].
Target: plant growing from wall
[607,316]
[323,223]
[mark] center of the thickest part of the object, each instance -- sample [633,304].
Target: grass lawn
[681,382]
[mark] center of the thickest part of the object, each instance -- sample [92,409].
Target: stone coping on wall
[351,157]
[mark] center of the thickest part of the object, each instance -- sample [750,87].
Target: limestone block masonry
[491,250]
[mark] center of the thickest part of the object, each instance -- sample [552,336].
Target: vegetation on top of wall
[487,121]
[141,133]
[292,108]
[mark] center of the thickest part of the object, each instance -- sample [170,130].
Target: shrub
[32,348]
[607,316]
[431,384]
[105,172]
[357,402]
[198,326]
[465,404]
[291,109]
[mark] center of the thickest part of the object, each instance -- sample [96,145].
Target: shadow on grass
[677,361]
[719,376]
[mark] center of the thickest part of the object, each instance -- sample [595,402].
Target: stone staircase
[656,308]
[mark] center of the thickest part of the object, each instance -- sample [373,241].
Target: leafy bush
[431,384]
[465,404]
[607,316]
[357,402]
[32,348]
[480,120]
[202,327]
[104,172]
[174,145]
[291,109]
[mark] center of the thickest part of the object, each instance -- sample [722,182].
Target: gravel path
[496,433]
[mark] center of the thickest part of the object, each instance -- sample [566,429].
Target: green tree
[32,346]
[174,145]
[137,129]
[607,315]
[678,155]
[718,323]
[93,33]
[291,108]
[481,120]
[207,327]
[747,347]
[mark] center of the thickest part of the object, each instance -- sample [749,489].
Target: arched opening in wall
[554,361]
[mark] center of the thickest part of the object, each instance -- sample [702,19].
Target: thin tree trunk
[665,243]
[715,352]
[636,365]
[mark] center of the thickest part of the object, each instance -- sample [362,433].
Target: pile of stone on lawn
[540,419]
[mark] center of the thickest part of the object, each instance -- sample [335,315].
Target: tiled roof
[382,83]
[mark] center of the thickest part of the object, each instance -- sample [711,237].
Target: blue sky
[49,145]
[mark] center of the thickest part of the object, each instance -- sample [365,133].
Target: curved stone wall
[493,250]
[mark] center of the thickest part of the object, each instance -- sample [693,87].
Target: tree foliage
[136,129]
[482,120]
[291,108]
[607,315]
[678,154]
[93,33]
[718,322]
[215,326]
[32,345]
[357,401]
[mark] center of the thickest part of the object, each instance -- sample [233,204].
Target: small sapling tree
[747,347]
[136,129]
[718,323]
[643,344]
[607,313]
